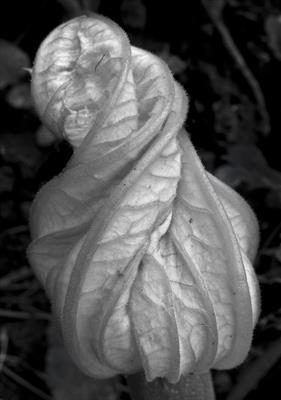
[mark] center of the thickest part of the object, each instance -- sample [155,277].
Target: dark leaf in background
[6,179]
[133,13]
[44,137]
[13,62]
[246,164]
[19,96]
[21,150]
[273,30]
[234,113]
[67,382]
[214,7]
[175,63]
[72,7]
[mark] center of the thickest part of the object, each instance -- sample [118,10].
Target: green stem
[190,387]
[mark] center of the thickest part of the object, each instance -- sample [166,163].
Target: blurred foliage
[13,63]
[70,383]
[273,30]
[227,56]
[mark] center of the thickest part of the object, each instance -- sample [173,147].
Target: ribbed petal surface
[145,256]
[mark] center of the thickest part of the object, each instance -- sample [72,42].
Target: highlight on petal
[217,250]
[76,71]
[145,256]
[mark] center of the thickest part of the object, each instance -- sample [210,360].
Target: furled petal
[205,231]
[145,256]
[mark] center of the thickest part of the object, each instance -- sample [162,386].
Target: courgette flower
[145,256]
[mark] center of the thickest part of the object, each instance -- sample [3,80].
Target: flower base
[189,387]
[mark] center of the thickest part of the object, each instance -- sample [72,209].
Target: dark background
[227,55]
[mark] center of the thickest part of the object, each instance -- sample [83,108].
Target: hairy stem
[190,387]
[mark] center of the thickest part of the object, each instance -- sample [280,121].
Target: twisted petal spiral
[145,256]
